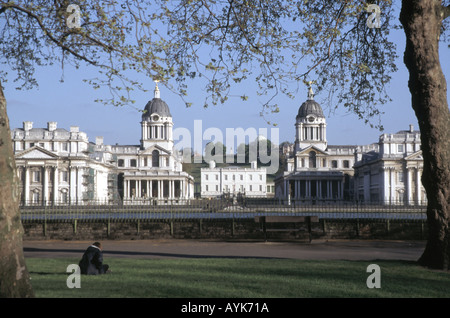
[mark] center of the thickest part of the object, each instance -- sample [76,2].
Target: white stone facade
[233,181]
[315,170]
[392,172]
[152,171]
[59,166]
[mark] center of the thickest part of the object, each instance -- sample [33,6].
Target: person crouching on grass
[92,261]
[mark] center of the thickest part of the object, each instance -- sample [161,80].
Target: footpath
[174,248]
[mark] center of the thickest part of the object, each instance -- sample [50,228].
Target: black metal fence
[222,208]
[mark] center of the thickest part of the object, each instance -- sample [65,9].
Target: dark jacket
[92,261]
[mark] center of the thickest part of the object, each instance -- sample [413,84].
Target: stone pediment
[310,148]
[415,156]
[161,150]
[36,152]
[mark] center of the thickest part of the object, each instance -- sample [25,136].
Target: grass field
[237,278]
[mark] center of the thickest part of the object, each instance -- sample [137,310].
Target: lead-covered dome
[310,107]
[156,106]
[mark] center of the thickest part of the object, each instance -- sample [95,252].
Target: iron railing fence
[216,209]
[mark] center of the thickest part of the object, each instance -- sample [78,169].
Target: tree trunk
[422,21]
[14,277]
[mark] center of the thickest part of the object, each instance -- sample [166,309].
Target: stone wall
[226,229]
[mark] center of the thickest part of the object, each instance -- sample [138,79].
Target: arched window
[312,159]
[155,158]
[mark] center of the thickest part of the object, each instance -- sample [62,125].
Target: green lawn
[238,278]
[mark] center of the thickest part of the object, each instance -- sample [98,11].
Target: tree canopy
[279,44]
[342,46]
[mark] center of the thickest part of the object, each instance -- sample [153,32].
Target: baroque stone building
[391,172]
[386,172]
[315,170]
[153,169]
[57,166]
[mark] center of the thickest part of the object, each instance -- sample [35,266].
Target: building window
[242,177]
[64,197]
[206,177]
[36,176]
[217,177]
[64,176]
[251,177]
[400,148]
[206,188]
[36,197]
[324,163]
[121,163]
[312,159]
[133,163]
[217,187]
[260,188]
[334,164]
[251,188]
[346,164]
[400,176]
[167,162]
[226,177]
[65,146]
[155,158]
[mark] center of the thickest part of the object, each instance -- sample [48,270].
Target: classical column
[295,190]
[72,184]
[392,182]
[329,195]
[137,188]
[418,188]
[55,185]
[150,188]
[27,185]
[409,186]
[144,131]
[385,185]
[159,189]
[45,186]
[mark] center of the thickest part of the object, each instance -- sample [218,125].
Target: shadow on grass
[132,254]
[244,277]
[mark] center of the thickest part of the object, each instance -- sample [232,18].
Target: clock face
[310,119]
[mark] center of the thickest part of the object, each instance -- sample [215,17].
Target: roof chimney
[51,125]
[27,125]
[411,128]
[99,140]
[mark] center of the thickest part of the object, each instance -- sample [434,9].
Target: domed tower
[157,123]
[310,125]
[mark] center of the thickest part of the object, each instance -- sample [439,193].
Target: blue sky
[72,104]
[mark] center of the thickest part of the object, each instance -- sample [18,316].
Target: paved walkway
[173,248]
